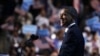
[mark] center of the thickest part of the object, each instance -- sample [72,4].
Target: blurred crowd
[18,38]
[91,29]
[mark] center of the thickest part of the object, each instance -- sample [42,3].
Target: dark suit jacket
[73,43]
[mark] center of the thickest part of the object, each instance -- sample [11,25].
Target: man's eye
[63,19]
[64,14]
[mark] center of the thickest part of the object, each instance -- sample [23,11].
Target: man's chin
[61,24]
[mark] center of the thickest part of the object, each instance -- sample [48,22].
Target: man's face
[63,17]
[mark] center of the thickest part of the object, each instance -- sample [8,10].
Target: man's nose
[64,16]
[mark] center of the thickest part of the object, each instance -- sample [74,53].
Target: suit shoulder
[76,31]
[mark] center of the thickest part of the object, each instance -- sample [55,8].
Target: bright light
[53,36]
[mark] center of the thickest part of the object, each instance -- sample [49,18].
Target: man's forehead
[63,10]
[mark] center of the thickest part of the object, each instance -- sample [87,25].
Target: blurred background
[32,27]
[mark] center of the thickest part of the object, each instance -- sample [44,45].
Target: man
[73,42]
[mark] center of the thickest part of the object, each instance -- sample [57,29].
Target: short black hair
[72,11]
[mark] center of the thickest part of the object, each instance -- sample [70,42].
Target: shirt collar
[66,29]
